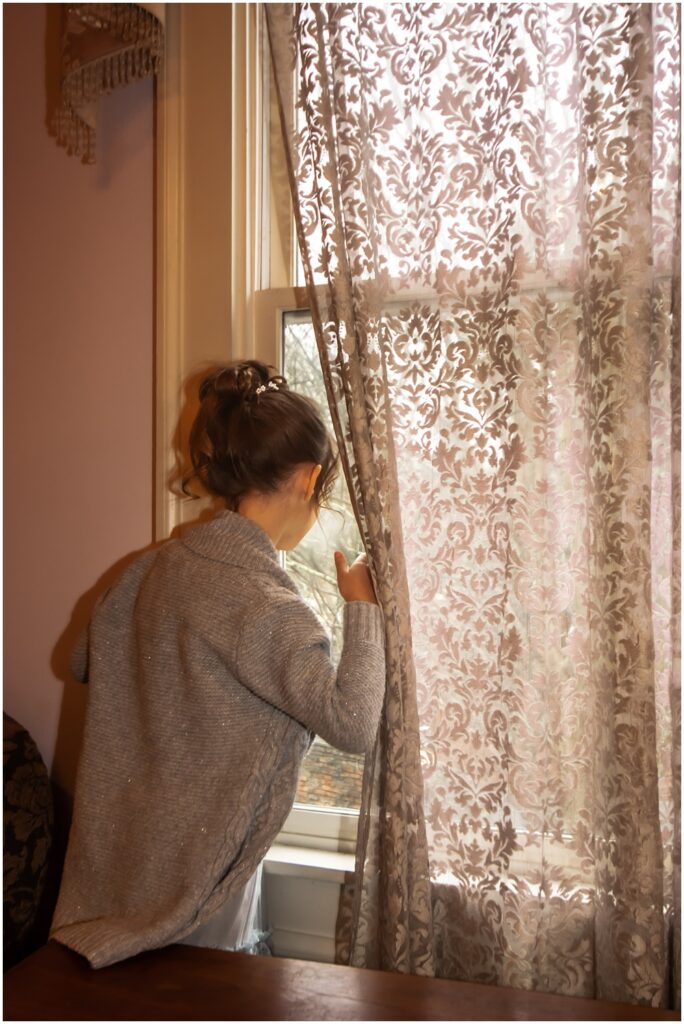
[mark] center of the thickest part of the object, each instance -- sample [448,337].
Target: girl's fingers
[354,581]
[341,566]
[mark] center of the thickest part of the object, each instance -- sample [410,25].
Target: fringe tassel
[138,53]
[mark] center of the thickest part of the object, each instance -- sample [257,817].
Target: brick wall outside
[330,777]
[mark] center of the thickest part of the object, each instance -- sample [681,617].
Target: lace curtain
[487,202]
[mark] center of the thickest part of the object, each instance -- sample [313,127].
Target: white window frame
[210,305]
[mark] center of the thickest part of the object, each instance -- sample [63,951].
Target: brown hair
[251,433]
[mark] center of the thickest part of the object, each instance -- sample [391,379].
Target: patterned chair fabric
[27,837]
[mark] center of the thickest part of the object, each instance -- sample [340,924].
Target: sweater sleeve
[283,656]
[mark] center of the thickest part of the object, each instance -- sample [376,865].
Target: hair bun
[251,432]
[235,381]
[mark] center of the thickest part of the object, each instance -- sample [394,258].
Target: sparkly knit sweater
[208,675]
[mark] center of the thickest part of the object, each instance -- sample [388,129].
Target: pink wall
[78,342]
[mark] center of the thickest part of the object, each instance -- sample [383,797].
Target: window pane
[329,777]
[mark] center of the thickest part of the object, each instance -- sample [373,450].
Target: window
[227,269]
[285,339]
[329,777]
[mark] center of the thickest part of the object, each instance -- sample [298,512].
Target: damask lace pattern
[487,201]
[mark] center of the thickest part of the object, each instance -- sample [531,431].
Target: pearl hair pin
[262,387]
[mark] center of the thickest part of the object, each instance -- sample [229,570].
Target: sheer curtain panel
[487,203]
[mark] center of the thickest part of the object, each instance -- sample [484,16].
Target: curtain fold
[104,46]
[357,391]
[487,205]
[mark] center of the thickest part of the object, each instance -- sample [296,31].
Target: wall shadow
[74,701]
[129,105]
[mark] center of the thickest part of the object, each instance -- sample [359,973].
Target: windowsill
[325,829]
[299,862]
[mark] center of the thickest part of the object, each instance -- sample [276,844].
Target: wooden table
[187,983]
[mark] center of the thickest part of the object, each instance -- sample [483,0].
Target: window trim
[168,270]
[197,318]
[270,305]
[320,828]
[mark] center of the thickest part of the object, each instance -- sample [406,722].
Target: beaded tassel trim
[103,46]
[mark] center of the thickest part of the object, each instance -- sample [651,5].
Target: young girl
[208,676]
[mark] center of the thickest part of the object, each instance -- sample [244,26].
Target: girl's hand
[354,580]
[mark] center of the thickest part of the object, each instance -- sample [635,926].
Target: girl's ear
[311,485]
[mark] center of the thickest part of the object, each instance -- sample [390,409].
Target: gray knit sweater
[207,676]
